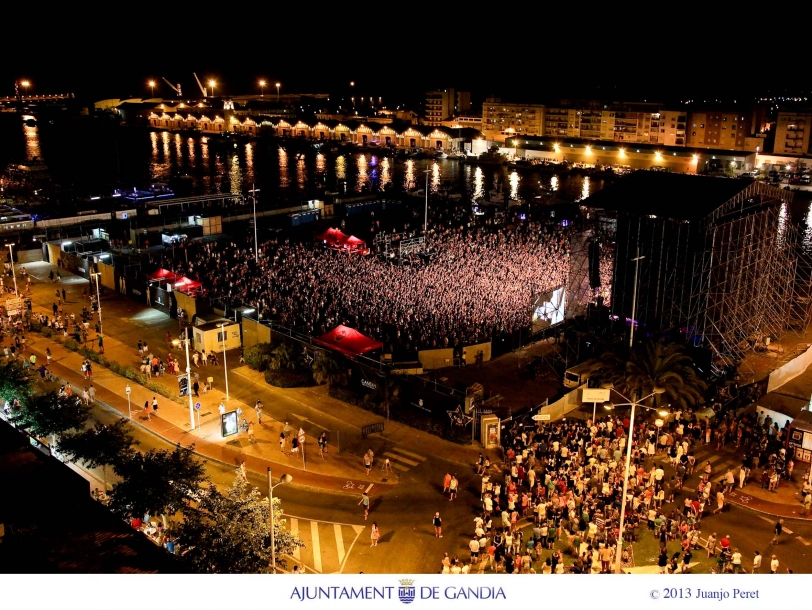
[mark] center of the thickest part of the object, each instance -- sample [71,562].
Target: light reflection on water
[514,184]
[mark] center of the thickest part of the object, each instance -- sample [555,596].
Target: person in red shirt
[725,542]
[136,523]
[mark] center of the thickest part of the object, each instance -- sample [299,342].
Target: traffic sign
[197,406]
[128,390]
[541,417]
[301,436]
[595,395]
[13,306]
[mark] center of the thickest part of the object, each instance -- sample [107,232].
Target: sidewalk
[784,502]
[333,473]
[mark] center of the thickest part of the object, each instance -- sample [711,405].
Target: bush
[345,395]
[71,344]
[46,332]
[258,356]
[287,379]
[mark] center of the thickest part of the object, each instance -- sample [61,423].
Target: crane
[199,84]
[173,87]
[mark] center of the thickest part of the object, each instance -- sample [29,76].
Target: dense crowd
[474,282]
[565,481]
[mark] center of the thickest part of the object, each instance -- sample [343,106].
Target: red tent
[332,237]
[348,341]
[353,244]
[163,275]
[185,285]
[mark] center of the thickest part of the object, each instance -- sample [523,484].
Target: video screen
[548,309]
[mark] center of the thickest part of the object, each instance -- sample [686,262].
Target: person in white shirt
[756,563]
[736,560]
[774,565]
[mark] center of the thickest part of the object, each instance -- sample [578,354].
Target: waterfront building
[442,104]
[792,132]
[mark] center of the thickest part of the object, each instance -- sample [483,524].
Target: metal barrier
[372,429]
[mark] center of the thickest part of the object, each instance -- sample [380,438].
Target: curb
[764,512]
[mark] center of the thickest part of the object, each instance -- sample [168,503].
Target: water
[93,156]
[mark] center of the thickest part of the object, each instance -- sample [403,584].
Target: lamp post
[152,87]
[212,83]
[254,192]
[128,390]
[262,87]
[25,85]
[285,478]
[634,294]
[426,216]
[632,404]
[177,342]
[13,272]
[225,349]
[98,302]
[277,91]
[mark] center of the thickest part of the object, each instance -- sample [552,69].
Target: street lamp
[98,302]
[277,90]
[222,328]
[254,192]
[185,342]
[632,404]
[25,85]
[262,87]
[128,390]
[285,478]
[13,272]
[426,217]
[152,86]
[212,84]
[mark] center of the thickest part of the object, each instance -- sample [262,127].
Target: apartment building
[792,133]
[440,105]
[727,130]
[503,120]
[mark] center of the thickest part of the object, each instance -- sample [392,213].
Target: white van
[579,374]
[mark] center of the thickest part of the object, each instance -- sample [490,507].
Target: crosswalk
[327,544]
[403,460]
[720,462]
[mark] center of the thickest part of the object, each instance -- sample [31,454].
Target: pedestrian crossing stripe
[407,457]
[326,547]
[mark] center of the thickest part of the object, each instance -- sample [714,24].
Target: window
[693,133]
[702,126]
[733,127]
[724,119]
[222,336]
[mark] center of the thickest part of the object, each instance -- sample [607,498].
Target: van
[580,373]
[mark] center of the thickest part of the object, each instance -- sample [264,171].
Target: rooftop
[680,196]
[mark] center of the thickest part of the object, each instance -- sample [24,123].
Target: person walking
[375,534]
[774,565]
[251,437]
[777,531]
[147,409]
[367,462]
[101,344]
[195,359]
[91,391]
[452,489]
[258,408]
[756,563]
[365,502]
[154,404]
[446,482]
[438,525]
[282,442]
[48,354]
[322,444]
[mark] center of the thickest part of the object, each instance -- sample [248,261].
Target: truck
[580,373]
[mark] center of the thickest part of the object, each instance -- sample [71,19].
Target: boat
[32,174]
[440,154]
[488,158]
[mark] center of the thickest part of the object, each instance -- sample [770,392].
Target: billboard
[228,423]
[548,308]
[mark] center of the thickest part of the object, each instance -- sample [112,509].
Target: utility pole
[254,190]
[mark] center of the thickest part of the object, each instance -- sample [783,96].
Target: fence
[372,429]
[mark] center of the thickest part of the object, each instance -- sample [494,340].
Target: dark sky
[114,56]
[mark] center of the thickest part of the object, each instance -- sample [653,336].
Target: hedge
[258,356]
[288,379]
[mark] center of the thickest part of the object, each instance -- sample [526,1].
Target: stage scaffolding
[751,282]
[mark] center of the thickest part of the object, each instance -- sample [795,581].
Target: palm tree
[284,357]
[661,364]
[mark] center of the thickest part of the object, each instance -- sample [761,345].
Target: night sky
[113,56]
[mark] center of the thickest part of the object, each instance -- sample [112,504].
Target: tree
[326,369]
[229,533]
[386,396]
[101,445]
[14,382]
[657,364]
[158,482]
[50,414]
[284,357]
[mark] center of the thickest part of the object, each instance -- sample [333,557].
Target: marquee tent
[348,341]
